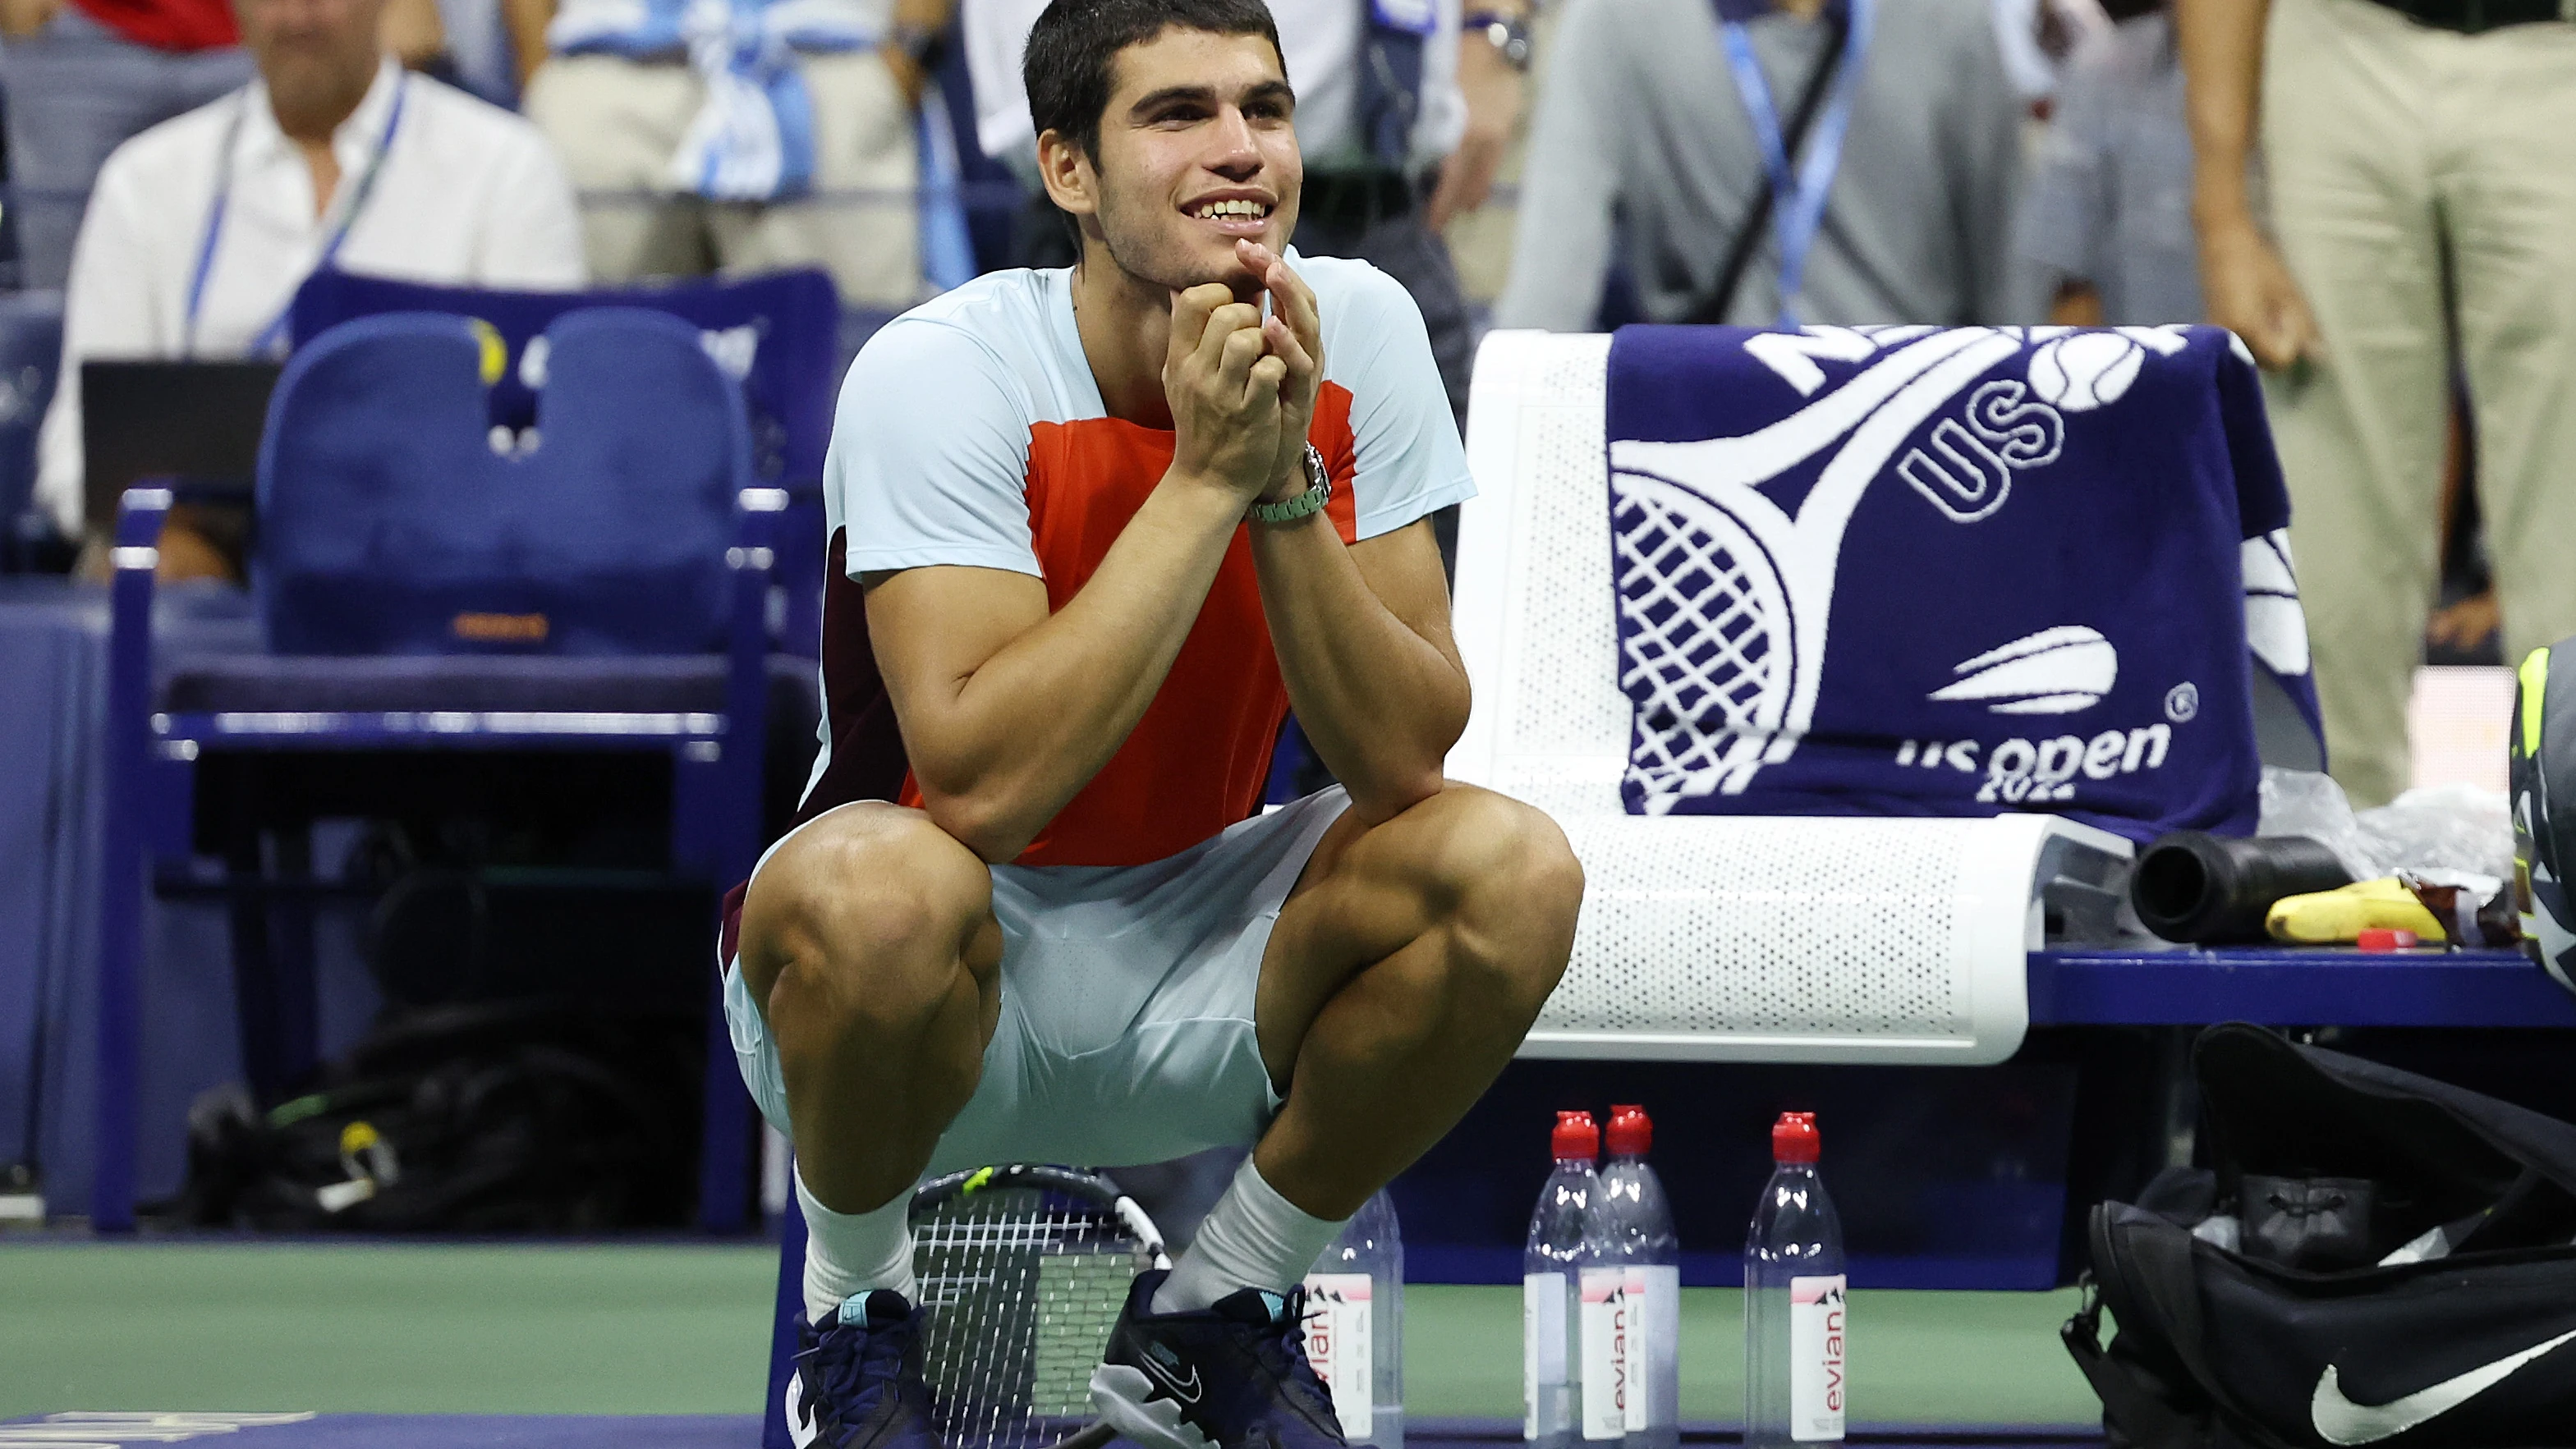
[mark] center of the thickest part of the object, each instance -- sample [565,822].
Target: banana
[2342,915]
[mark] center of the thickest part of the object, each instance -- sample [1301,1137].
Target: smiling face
[1196,152]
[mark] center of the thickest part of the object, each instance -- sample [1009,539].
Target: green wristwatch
[1319,490]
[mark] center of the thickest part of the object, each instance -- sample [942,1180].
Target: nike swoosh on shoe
[1187,1393]
[800,1418]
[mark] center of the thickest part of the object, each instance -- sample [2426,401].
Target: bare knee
[868,916]
[1501,878]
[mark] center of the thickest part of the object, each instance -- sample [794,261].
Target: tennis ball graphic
[2085,371]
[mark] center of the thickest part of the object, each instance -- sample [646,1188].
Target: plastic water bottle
[1640,1227]
[1794,1316]
[1568,1280]
[1355,1325]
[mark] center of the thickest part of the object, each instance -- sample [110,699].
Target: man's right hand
[1222,382]
[2251,293]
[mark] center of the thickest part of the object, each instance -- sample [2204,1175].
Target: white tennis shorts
[1126,1030]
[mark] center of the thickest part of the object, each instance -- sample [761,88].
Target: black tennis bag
[508,1116]
[2371,1258]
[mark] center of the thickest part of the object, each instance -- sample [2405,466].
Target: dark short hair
[1073,49]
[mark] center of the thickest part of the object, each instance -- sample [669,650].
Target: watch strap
[1319,491]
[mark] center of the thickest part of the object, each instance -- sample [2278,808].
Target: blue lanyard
[275,332]
[1798,196]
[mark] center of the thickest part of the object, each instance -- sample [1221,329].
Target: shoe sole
[1126,1399]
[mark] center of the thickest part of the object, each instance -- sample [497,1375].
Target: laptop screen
[196,421]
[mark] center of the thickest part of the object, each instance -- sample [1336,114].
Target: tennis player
[1097,531]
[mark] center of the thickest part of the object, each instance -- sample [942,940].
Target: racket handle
[1090,1436]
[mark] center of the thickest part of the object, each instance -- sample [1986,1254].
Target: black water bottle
[2208,890]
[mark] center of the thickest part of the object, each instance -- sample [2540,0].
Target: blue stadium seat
[782,336]
[608,538]
[598,582]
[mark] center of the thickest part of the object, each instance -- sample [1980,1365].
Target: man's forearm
[526,22]
[2221,44]
[999,753]
[1380,703]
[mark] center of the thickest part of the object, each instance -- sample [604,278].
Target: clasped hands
[1242,387]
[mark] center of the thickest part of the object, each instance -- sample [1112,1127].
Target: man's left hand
[1295,335]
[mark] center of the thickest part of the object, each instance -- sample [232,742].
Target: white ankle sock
[1253,1238]
[848,1253]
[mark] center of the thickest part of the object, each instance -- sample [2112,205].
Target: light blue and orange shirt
[970,432]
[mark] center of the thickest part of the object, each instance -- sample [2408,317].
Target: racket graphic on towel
[1023,1272]
[1724,595]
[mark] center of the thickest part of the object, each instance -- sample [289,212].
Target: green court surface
[664,1329]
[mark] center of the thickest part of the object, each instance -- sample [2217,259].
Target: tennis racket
[1023,1271]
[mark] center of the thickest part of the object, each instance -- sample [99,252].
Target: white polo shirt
[468,194]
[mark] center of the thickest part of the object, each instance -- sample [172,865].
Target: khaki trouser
[616,122]
[2390,145]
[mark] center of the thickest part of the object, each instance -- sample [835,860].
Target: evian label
[1816,1376]
[1338,1344]
[1654,1337]
[1542,1355]
[1605,1353]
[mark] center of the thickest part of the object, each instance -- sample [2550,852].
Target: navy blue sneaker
[858,1383]
[1233,1375]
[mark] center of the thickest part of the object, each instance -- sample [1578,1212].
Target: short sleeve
[108,311]
[929,455]
[1410,463]
[532,233]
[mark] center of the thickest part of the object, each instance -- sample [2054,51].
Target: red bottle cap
[1793,1137]
[2382,938]
[1631,1133]
[1575,1138]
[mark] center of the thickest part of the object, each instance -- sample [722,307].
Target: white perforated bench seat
[1707,937]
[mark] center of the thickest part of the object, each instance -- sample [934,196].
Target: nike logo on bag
[2341,1421]
[800,1419]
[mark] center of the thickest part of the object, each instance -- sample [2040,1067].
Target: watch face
[1316,475]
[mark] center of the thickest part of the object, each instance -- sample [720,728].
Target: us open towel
[1920,571]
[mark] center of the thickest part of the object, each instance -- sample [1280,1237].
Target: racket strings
[1022,1289]
[1708,617]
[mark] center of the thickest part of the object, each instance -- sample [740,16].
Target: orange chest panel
[1197,760]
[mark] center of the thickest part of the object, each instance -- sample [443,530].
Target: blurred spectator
[2038,39]
[80,78]
[201,228]
[480,49]
[2107,216]
[712,137]
[1404,111]
[414,32]
[2420,163]
[1644,128]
